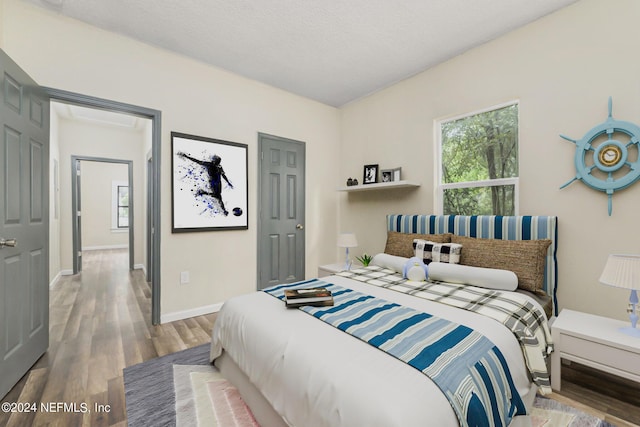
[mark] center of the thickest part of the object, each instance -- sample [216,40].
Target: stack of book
[312,296]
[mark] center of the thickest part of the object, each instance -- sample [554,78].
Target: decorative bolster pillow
[429,251]
[490,278]
[392,262]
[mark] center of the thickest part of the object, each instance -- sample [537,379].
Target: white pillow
[490,278]
[392,262]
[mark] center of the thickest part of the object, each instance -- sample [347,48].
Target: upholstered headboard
[490,227]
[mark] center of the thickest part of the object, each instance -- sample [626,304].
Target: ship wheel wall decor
[608,156]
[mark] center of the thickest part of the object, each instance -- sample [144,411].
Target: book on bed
[310,296]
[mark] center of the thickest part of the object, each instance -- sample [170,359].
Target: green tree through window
[479,163]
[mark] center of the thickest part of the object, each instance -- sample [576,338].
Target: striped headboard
[490,227]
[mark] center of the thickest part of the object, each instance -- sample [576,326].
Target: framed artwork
[386,175]
[370,174]
[209,184]
[396,174]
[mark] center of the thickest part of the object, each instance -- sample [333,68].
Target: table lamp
[347,240]
[623,271]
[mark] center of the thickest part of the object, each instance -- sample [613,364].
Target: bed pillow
[392,262]
[490,278]
[430,251]
[526,258]
[401,244]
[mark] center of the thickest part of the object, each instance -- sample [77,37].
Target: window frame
[115,206]
[440,186]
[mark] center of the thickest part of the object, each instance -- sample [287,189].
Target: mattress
[314,375]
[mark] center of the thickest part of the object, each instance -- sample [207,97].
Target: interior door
[281,253]
[24,223]
[76,212]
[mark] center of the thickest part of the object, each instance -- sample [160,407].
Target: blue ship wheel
[609,156]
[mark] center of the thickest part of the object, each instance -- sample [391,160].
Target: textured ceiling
[333,51]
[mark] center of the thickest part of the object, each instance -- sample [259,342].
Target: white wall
[97,205]
[562,68]
[197,99]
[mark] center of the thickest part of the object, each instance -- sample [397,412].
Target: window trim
[440,187]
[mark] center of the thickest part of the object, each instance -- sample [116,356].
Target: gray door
[24,216]
[281,232]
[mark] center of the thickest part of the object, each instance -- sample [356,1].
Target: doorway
[120,217]
[154,158]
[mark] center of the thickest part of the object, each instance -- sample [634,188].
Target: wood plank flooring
[100,324]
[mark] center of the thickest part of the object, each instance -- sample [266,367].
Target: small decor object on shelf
[386,175]
[365,259]
[310,296]
[349,182]
[623,271]
[609,157]
[370,174]
[396,174]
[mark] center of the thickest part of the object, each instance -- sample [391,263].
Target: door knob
[300,227]
[8,242]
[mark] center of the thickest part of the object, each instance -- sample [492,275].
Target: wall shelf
[380,186]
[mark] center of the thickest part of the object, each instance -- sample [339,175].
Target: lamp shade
[622,271]
[347,240]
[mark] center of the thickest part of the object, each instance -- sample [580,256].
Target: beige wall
[97,181]
[562,69]
[197,99]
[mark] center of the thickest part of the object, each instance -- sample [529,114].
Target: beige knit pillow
[401,244]
[526,258]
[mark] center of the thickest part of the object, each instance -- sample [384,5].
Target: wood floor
[100,324]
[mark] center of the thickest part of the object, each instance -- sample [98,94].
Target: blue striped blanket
[468,368]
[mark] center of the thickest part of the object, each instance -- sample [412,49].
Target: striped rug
[156,388]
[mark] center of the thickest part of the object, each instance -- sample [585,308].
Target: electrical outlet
[184,277]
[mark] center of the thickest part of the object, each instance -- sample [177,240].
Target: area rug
[184,389]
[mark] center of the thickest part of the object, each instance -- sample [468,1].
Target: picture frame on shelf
[370,174]
[209,184]
[386,175]
[396,172]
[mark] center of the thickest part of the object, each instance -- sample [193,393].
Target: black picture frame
[370,174]
[209,182]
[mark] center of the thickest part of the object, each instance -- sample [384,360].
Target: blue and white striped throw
[468,368]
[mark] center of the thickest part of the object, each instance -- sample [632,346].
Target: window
[119,205]
[123,206]
[478,163]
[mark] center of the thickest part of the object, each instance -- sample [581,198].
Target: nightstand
[593,341]
[329,269]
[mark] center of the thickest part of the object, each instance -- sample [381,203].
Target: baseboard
[186,314]
[61,273]
[55,280]
[105,247]
[140,267]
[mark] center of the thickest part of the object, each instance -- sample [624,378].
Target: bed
[294,368]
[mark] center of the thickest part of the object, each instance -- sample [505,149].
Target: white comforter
[315,375]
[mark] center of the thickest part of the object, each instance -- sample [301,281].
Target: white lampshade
[347,240]
[622,271]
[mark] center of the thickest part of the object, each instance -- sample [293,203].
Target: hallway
[100,323]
